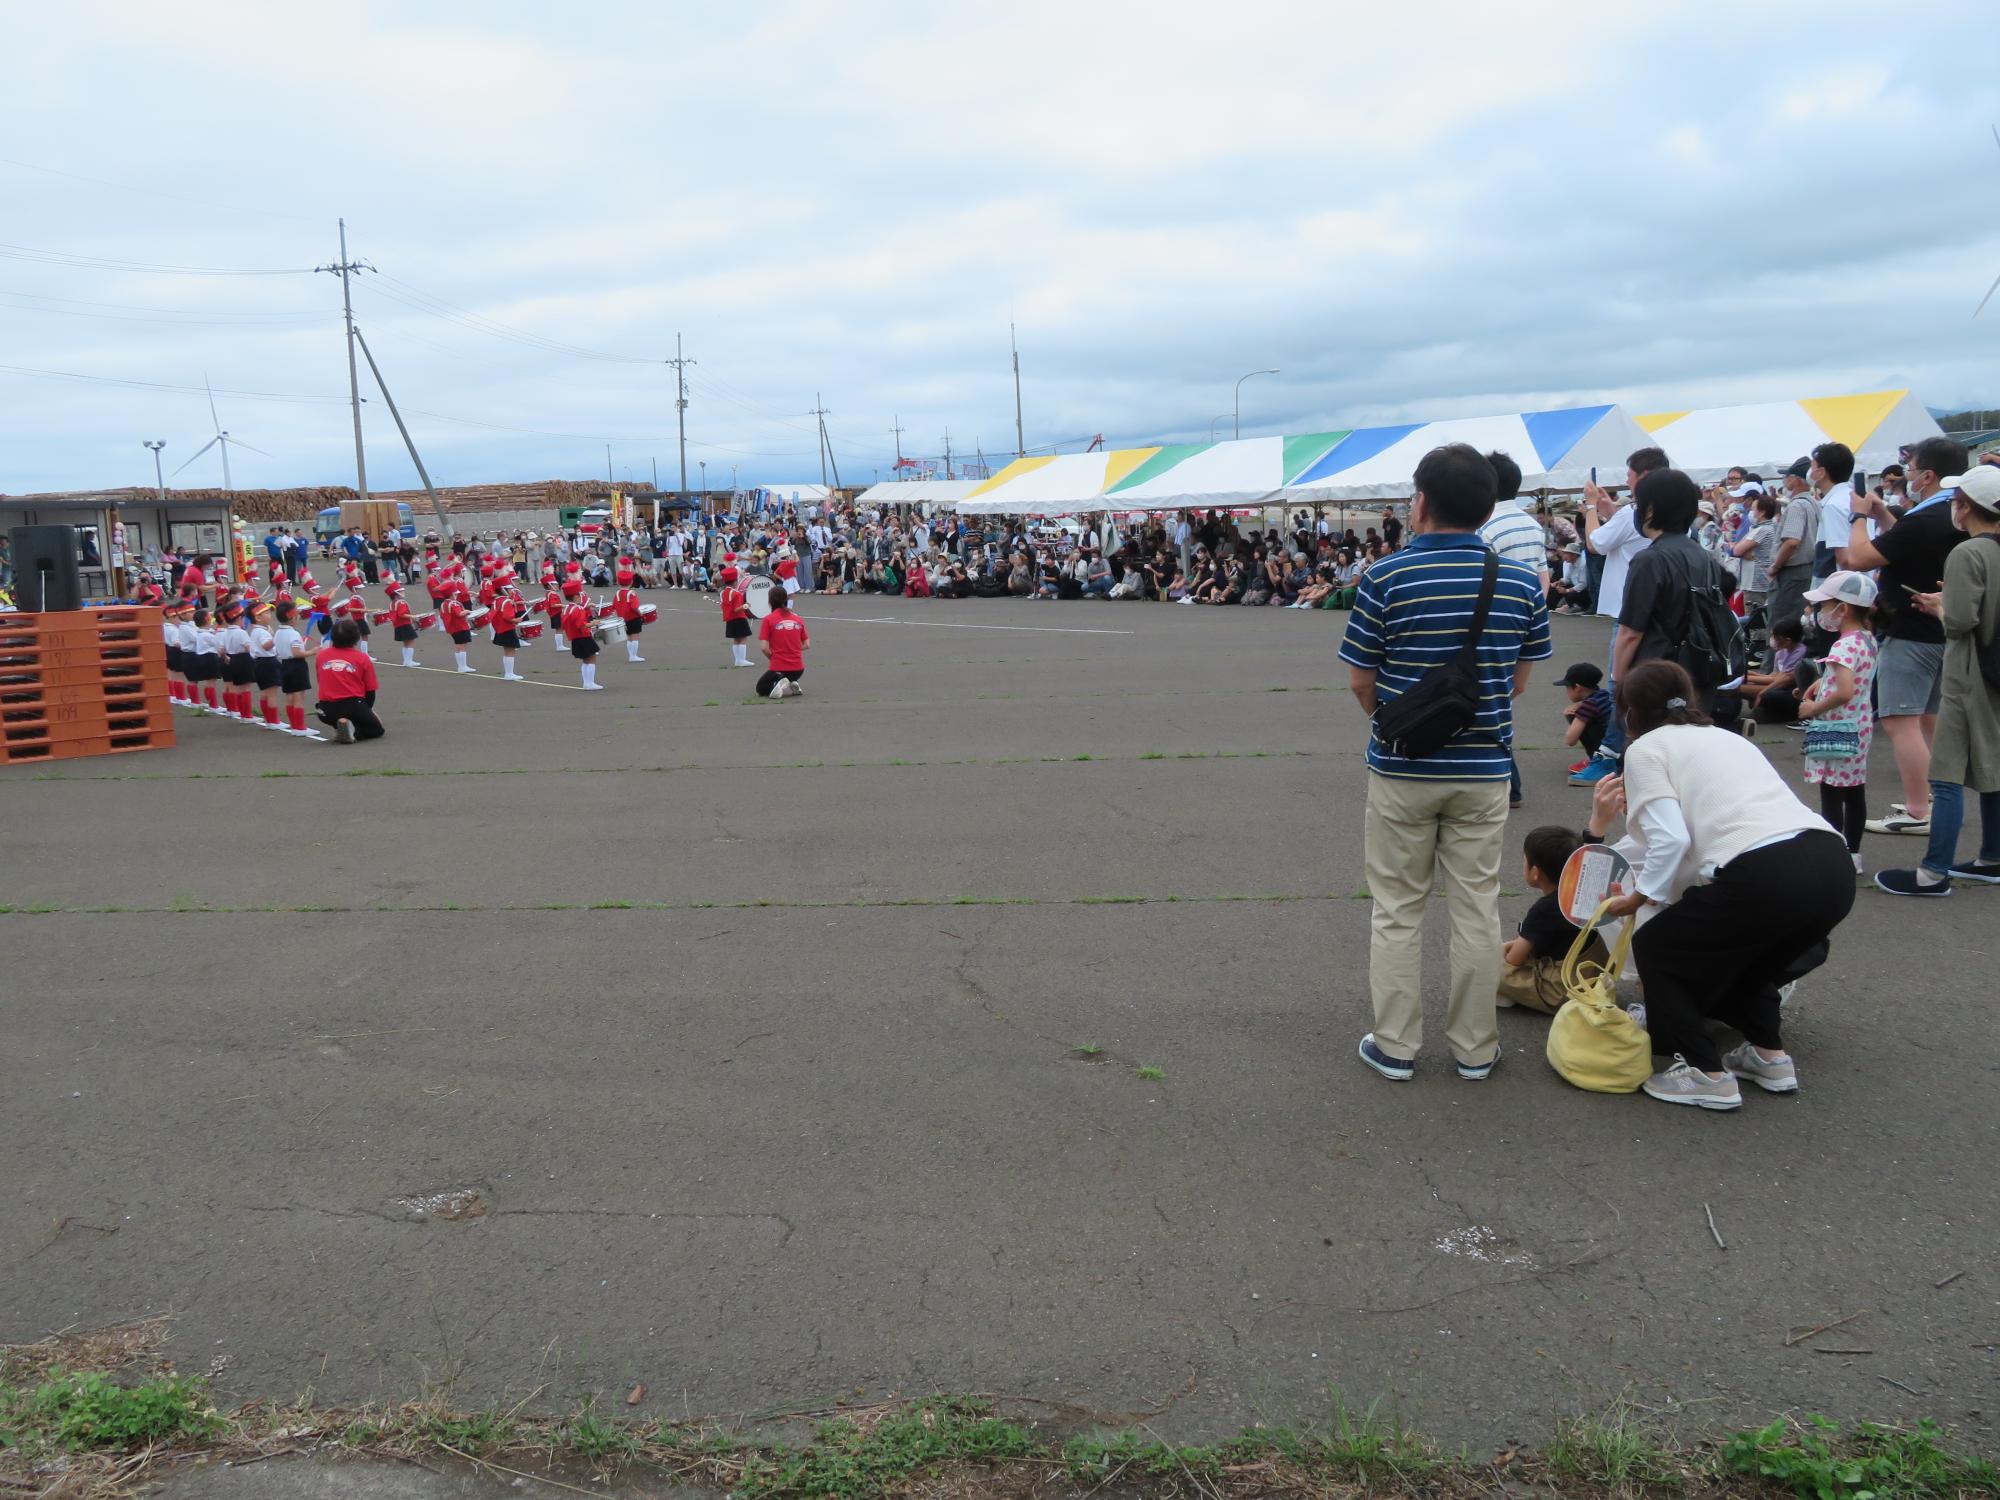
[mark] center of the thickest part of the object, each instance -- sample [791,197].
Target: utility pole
[437,506]
[656,476]
[345,268]
[1020,443]
[947,453]
[704,479]
[897,472]
[609,478]
[680,365]
[819,411]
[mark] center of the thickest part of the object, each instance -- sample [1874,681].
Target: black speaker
[46,576]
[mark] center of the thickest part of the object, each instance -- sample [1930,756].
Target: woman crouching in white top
[1745,878]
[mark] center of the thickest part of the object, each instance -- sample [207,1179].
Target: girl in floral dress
[1839,712]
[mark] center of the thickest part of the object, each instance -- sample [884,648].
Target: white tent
[1771,435]
[938,494]
[1245,471]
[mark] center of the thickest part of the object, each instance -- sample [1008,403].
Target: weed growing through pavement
[1813,1458]
[81,1413]
[1087,1049]
[1150,1073]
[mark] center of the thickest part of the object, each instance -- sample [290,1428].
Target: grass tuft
[1815,1458]
[83,1413]
[1150,1073]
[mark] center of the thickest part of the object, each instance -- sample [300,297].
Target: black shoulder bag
[1444,702]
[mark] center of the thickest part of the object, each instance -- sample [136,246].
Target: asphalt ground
[755,1028]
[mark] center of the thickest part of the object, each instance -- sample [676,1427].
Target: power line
[188,320]
[162,385]
[126,187]
[423,301]
[102,263]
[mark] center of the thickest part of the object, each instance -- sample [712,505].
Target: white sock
[409,656]
[631,650]
[507,667]
[459,657]
[590,674]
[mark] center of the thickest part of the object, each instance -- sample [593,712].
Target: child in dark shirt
[1531,964]
[1590,708]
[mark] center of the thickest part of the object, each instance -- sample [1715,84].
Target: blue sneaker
[1396,1069]
[1600,767]
[1477,1071]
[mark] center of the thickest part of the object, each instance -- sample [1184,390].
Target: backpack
[1444,702]
[1714,650]
[1989,649]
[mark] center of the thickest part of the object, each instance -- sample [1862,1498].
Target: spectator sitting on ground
[1160,573]
[1774,696]
[1531,964]
[1097,577]
[1200,574]
[1318,586]
[1021,576]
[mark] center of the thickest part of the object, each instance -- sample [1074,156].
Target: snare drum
[380,616]
[476,616]
[426,621]
[648,613]
[608,632]
[530,630]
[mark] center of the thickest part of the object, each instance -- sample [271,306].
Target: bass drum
[757,594]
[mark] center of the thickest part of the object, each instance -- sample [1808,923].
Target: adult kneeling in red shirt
[347,687]
[783,639]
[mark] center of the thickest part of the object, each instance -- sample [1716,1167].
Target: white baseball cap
[1846,587]
[1980,485]
[1748,487]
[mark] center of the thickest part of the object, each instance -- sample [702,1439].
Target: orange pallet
[82,682]
[116,692]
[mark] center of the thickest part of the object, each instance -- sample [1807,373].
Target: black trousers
[1718,953]
[771,679]
[1846,808]
[366,726]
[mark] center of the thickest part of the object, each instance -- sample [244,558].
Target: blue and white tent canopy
[1556,450]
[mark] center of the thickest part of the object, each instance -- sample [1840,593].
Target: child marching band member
[576,630]
[786,571]
[454,620]
[236,674]
[184,628]
[207,661]
[264,664]
[505,618]
[784,641]
[552,606]
[294,669]
[735,618]
[357,611]
[487,586]
[625,605]
[321,618]
[402,622]
[170,629]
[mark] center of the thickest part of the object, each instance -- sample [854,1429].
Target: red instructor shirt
[785,633]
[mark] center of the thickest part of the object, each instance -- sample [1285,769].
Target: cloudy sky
[1440,210]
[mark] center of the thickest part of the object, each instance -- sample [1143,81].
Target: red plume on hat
[573,588]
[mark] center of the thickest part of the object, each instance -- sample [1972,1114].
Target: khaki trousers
[1418,832]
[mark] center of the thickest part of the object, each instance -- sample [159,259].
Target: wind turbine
[221,438]
[1996,280]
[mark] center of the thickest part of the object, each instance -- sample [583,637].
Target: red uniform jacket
[625,604]
[552,604]
[487,589]
[399,614]
[735,604]
[576,621]
[506,614]
[451,615]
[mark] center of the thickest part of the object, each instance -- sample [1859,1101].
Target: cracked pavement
[758,1155]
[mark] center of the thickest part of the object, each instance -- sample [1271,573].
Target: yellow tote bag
[1593,1042]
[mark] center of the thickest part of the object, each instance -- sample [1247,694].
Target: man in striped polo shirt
[1443,815]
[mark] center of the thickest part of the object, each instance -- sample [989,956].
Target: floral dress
[1856,652]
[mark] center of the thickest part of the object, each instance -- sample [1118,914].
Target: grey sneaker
[1684,1083]
[1899,822]
[1780,1077]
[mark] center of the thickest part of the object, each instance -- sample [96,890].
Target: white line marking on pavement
[571,687]
[939,624]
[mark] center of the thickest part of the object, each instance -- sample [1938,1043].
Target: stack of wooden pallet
[82,682]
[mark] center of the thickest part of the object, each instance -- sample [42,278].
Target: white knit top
[1730,798]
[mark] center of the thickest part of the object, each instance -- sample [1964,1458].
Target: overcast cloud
[1432,210]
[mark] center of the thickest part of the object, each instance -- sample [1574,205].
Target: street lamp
[1212,422]
[1238,427]
[704,474]
[160,484]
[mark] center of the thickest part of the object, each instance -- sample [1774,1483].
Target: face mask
[1832,617]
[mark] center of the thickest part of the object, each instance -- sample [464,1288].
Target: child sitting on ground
[1589,711]
[1531,964]
[1774,696]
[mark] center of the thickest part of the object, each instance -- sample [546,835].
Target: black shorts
[584,647]
[363,626]
[507,640]
[461,638]
[264,671]
[634,626]
[736,630]
[294,674]
[196,667]
[236,672]
[173,658]
[406,633]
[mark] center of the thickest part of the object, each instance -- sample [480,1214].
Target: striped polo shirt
[1411,613]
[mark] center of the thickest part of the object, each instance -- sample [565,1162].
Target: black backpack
[1444,702]
[1714,650]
